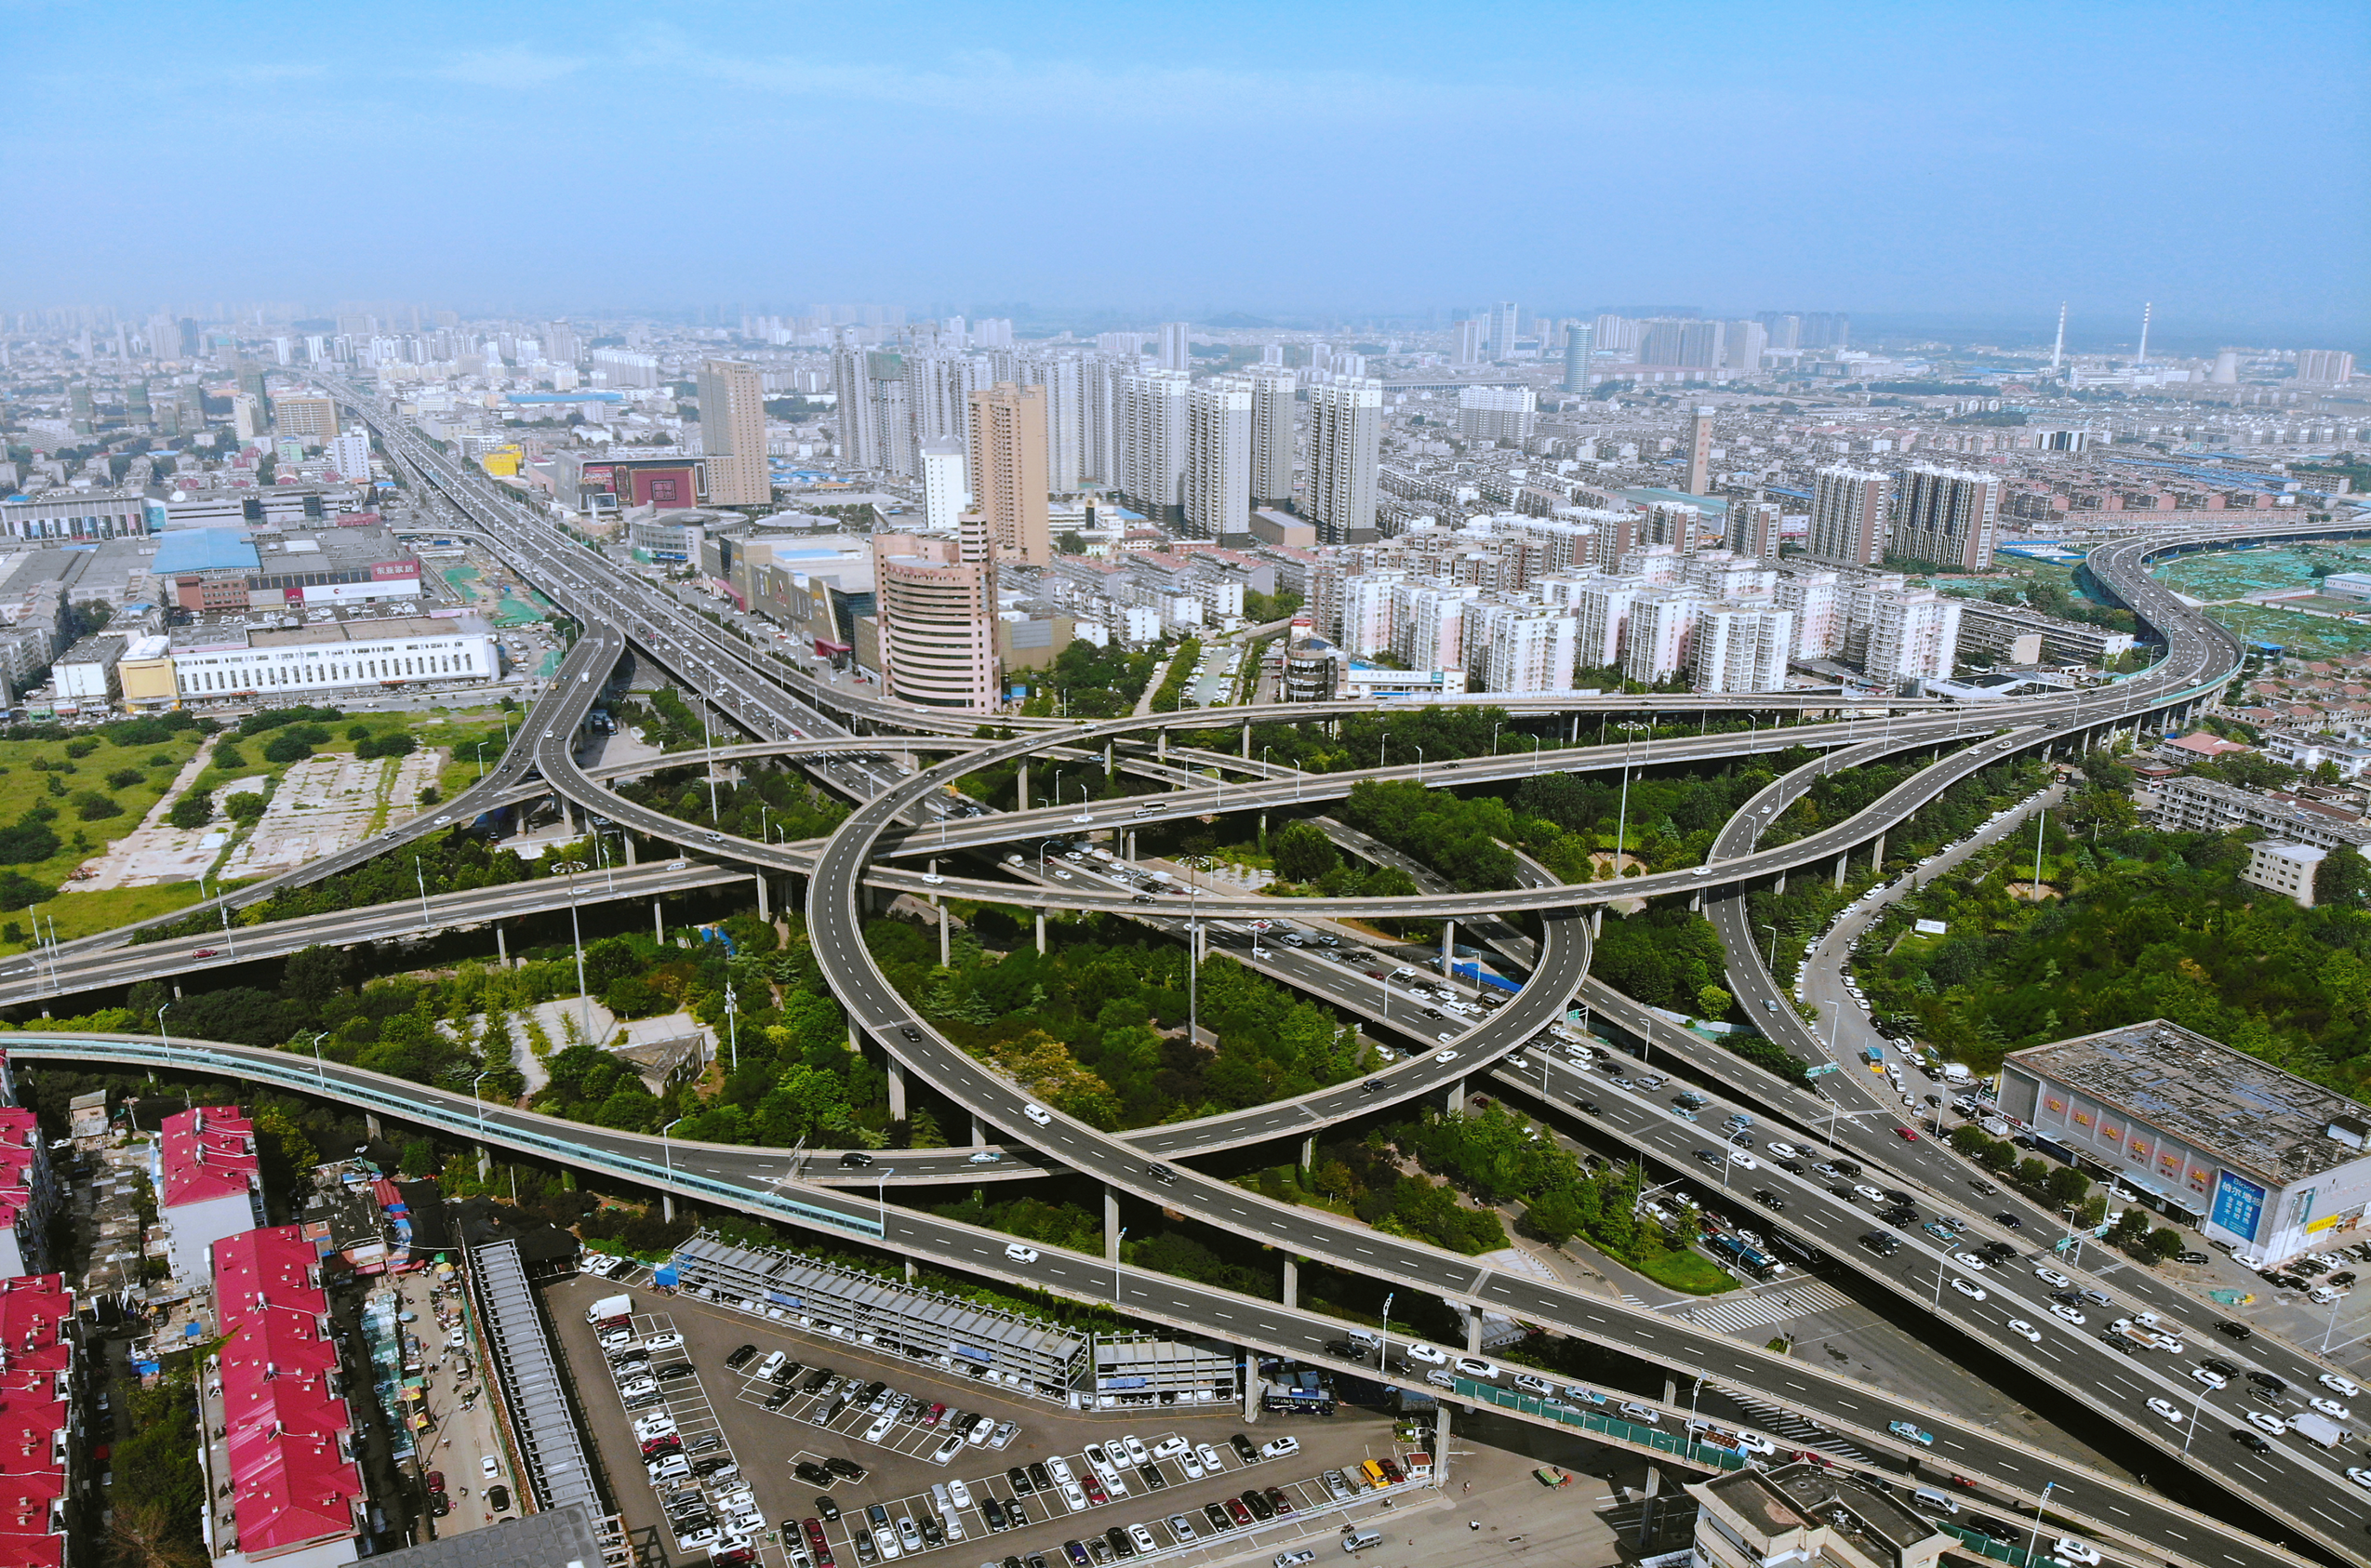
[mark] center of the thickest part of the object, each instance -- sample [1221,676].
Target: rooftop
[2273,1126]
[206,1152]
[204,549]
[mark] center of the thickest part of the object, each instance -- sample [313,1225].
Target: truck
[2321,1428]
[619,1305]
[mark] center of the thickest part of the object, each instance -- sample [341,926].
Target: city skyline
[1943,168]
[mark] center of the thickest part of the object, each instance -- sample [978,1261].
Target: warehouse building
[327,650]
[2258,1159]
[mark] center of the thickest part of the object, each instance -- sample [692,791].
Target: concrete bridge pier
[1877,854]
[1041,931]
[1308,1151]
[765,901]
[1020,788]
[979,1134]
[370,1121]
[1251,1386]
[1456,1093]
[1292,1284]
[1448,945]
[1247,742]
[1110,1223]
[658,920]
[897,1090]
[501,947]
[1840,869]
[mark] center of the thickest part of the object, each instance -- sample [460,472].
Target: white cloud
[513,65]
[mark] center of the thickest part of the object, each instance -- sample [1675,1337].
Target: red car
[1094,1490]
[1236,1512]
[670,1443]
[1908,1135]
[203,952]
[436,1480]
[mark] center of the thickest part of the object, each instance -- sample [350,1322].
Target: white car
[2052,1278]
[958,1493]
[2065,1313]
[1869,1193]
[663,1342]
[1060,1468]
[2330,1408]
[1783,1150]
[1133,1448]
[1968,1260]
[1073,1496]
[1280,1448]
[2071,1550]
[1473,1368]
[489,1467]
[1019,1254]
[2339,1385]
[2165,1409]
[1445,1056]
[1743,1160]
[2209,1377]
[1210,1456]
[880,1428]
[1190,1463]
[1038,1114]
[2360,1476]
[985,1157]
[1973,1292]
[1169,1448]
[1426,1354]
[2025,1331]
[2264,1423]
[1143,1538]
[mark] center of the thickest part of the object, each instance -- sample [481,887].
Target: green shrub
[286,748]
[245,807]
[193,810]
[125,778]
[227,756]
[92,806]
[82,747]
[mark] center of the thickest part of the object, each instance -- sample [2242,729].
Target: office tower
[1065,417]
[1218,489]
[247,417]
[937,625]
[350,455]
[1741,647]
[1495,413]
[1153,437]
[1683,344]
[1008,448]
[1784,329]
[1467,337]
[1847,517]
[2320,366]
[852,400]
[943,496]
[1815,600]
[1753,529]
[1946,516]
[1502,330]
[191,343]
[1579,342]
[1700,450]
[1345,434]
[732,434]
[1175,353]
[1617,335]
[1911,634]
[892,419]
[1742,345]
[1660,635]
[992,332]
[312,420]
[1272,401]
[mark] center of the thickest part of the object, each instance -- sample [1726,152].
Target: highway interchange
[901,812]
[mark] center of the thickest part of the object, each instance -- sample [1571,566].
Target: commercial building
[208,1183]
[1501,329]
[1579,342]
[937,625]
[349,456]
[1345,437]
[1217,480]
[1007,440]
[1847,517]
[2264,1161]
[1806,1512]
[313,420]
[79,514]
[42,1423]
[1999,629]
[280,1481]
[732,434]
[1946,516]
[328,650]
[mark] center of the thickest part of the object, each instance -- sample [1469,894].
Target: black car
[1710,1156]
[2249,1440]
[1219,1517]
[2189,1258]
[1792,1167]
[2236,1331]
[1260,1508]
[993,1512]
[1589,1107]
[788,1370]
[1017,1513]
[777,1400]
[827,1511]
[1121,1545]
[1768,1198]
[1018,1479]
[855,1161]
[2218,1365]
[813,1474]
[1152,1477]
[933,1538]
[1243,1448]
[847,1470]
[816,1381]
[910,1031]
[1040,1478]
[740,1358]
[2266,1381]
[677,1369]
[2008,1221]
[1880,1243]
[711,1465]
[439,1505]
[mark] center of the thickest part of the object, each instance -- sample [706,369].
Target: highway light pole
[1115,1264]
[421,878]
[1773,946]
[319,1075]
[576,934]
[2035,1547]
[880,1197]
[162,1038]
[1383,1340]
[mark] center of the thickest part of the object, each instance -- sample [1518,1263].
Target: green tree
[1304,853]
[92,806]
[2164,1243]
[125,778]
[2343,879]
[286,748]
[1711,1001]
[1554,1217]
[193,810]
[2067,1185]
[245,807]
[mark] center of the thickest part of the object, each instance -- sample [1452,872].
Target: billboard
[2239,1206]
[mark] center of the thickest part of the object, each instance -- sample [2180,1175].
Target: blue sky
[1943,161]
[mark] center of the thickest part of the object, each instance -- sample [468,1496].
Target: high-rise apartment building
[1816,601]
[1272,402]
[1662,632]
[1218,493]
[852,400]
[1601,613]
[1617,335]
[1345,436]
[1579,342]
[732,432]
[893,418]
[1742,345]
[1700,450]
[1502,329]
[944,497]
[1753,529]
[1946,516]
[1913,635]
[1466,341]
[2332,368]
[1176,353]
[1683,344]
[1741,647]
[1529,650]
[1784,329]
[939,389]
[310,419]
[1153,439]
[1099,377]
[1065,417]
[1008,448]
[1489,414]
[350,455]
[1847,517]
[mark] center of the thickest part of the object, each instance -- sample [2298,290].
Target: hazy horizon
[1972,165]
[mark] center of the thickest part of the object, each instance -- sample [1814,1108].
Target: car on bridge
[1908,1433]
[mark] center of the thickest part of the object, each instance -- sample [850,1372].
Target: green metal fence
[1701,1454]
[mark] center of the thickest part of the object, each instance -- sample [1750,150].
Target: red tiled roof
[293,1484]
[33,1309]
[208,1152]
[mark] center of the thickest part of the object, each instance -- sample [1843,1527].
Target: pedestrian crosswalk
[1776,1307]
[1785,1424]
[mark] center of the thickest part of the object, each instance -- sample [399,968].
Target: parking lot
[1060,1477]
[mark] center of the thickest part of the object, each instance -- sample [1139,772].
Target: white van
[772,1364]
[1359,1540]
[1933,1501]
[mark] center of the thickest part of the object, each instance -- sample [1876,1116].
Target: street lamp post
[1115,1264]
[320,1076]
[576,934]
[162,1038]
[1773,946]
[1383,1340]
[420,877]
[2035,1547]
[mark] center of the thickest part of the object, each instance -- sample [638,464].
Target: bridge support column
[1247,742]
[1131,849]
[944,941]
[370,1121]
[979,1134]
[1448,945]
[897,1090]
[667,1206]
[1308,1151]
[1456,1096]
[1877,854]
[1781,889]
[501,947]
[1107,759]
[909,1271]
[1041,931]
[485,1163]
[1160,743]
[1020,787]
[1111,1225]
[1441,1446]
[765,900]
[1292,1284]
[1473,1331]
[628,840]
[1251,1386]
[1840,870]
[658,920]
[1597,920]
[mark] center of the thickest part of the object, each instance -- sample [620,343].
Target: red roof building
[209,1183]
[39,1421]
[28,1193]
[279,1471]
